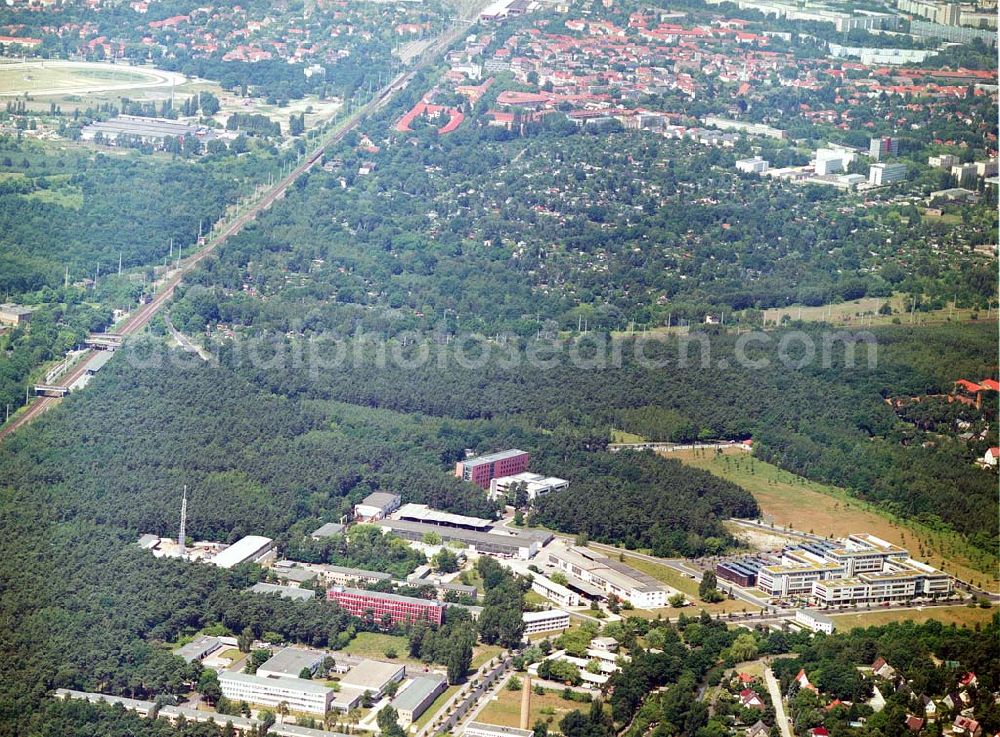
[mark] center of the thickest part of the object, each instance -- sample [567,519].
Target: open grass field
[505,710]
[620,436]
[484,653]
[961,616]
[374,645]
[855,313]
[787,499]
[65,196]
[863,312]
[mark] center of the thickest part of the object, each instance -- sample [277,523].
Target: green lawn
[961,616]
[483,653]
[620,436]
[374,644]
[69,197]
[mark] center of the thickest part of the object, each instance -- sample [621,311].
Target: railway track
[146,313]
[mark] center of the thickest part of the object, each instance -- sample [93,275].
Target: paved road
[494,677]
[779,707]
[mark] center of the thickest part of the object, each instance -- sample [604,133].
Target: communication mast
[184,510]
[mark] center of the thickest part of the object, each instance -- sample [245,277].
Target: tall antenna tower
[184,513]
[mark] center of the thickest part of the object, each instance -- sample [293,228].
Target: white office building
[300,695]
[249,549]
[882,174]
[479,729]
[814,620]
[832,161]
[756,165]
[551,620]
[609,575]
[535,485]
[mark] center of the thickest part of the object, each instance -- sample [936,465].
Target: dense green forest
[824,419]
[634,499]
[63,209]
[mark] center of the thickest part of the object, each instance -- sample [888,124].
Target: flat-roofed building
[861,568]
[864,554]
[343,575]
[376,506]
[754,165]
[285,592]
[289,570]
[612,576]
[416,696]
[545,586]
[377,606]
[839,591]
[482,469]
[882,174]
[550,620]
[199,648]
[563,595]
[13,314]
[814,620]
[242,725]
[460,589]
[796,573]
[249,549]
[499,541]
[535,485]
[373,676]
[289,662]
[423,513]
[479,729]
[328,530]
[298,693]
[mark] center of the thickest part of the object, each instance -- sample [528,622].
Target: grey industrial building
[419,694]
[285,592]
[520,544]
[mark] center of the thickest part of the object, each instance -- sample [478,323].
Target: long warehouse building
[520,544]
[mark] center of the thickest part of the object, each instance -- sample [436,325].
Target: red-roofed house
[882,669]
[991,457]
[803,680]
[819,732]
[969,679]
[968,392]
[750,699]
[914,724]
[966,726]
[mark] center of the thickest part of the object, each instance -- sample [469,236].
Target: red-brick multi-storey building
[484,468]
[401,609]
